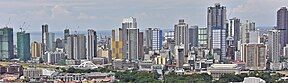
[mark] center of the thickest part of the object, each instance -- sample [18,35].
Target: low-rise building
[216,70]
[253,80]
[15,69]
[32,72]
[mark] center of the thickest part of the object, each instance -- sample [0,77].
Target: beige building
[35,49]
[254,56]
[216,70]
[117,44]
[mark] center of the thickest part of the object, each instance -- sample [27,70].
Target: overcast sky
[108,14]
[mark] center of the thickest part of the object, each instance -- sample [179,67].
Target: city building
[32,73]
[6,44]
[216,70]
[133,52]
[274,45]
[45,35]
[193,36]
[282,24]
[35,49]
[128,23]
[216,26]
[254,56]
[76,47]
[54,57]
[246,27]
[92,44]
[253,80]
[181,36]
[117,44]
[66,34]
[141,46]
[179,56]
[153,38]
[285,51]
[15,69]
[50,42]
[233,30]
[23,46]
[202,37]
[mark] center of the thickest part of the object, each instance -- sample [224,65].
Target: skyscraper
[274,46]
[6,44]
[35,49]
[45,35]
[179,52]
[66,34]
[282,24]
[50,42]
[234,30]
[193,36]
[128,23]
[202,37]
[246,27]
[76,47]
[133,52]
[216,26]
[216,17]
[181,36]
[117,44]
[140,46]
[153,38]
[92,44]
[23,46]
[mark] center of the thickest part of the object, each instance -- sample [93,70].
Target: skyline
[106,15]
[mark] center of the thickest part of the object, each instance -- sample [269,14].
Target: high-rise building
[76,47]
[202,37]
[92,44]
[254,56]
[216,19]
[66,34]
[274,45]
[179,52]
[285,51]
[234,31]
[282,24]
[6,44]
[153,38]
[128,23]
[133,52]
[181,36]
[117,44]
[216,26]
[59,43]
[246,27]
[50,45]
[140,46]
[35,49]
[45,35]
[23,46]
[193,36]
[254,36]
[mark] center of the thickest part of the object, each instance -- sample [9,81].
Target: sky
[81,15]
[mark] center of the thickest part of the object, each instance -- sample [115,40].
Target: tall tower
[35,49]
[117,44]
[153,38]
[216,25]
[274,46]
[6,44]
[282,24]
[92,44]
[133,52]
[76,47]
[128,23]
[45,35]
[193,36]
[181,36]
[23,46]
[246,27]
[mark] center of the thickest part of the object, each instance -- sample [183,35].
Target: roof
[223,66]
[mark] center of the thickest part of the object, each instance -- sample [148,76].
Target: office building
[15,69]
[202,37]
[44,37]
[285,51]
[254,56]
[6,44]
[233,31]
[35,49]
[23,46]
[126,24]
[216,26]
[179,56]
[92,44]
[50,42]
[32,72]
[54,57]
[216,19]
[153,38]
[117,44]
[181,36]
[246,27]
[193,36]
[66,34]
[282,24]
[274,45]
[254,36]
[140,46]
[133,52]
[76,47]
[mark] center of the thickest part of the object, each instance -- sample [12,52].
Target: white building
[92,45]
[253,80]
[216,70]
